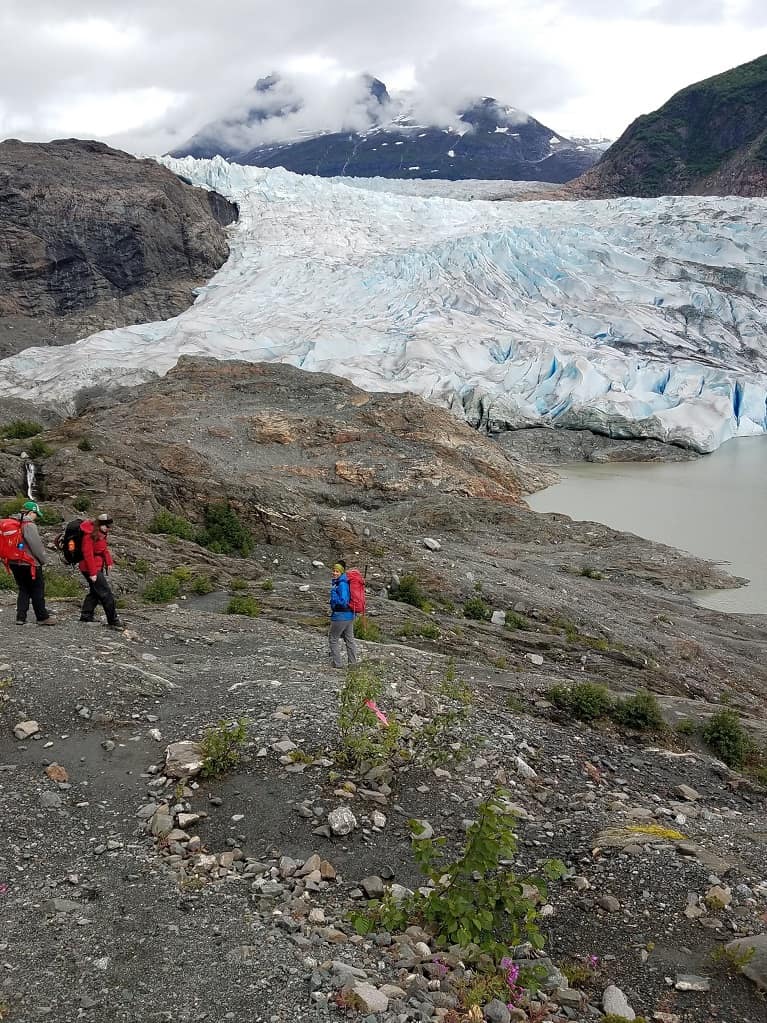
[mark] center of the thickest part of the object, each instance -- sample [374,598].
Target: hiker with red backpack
[95,564]
[22,551]
[345,603]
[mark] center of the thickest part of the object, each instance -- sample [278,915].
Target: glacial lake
[714,507]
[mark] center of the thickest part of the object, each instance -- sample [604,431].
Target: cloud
[165,69]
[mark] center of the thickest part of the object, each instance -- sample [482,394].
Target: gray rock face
[91,238]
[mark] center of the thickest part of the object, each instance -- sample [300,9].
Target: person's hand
[92,578]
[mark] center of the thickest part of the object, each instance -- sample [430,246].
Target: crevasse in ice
[637,318]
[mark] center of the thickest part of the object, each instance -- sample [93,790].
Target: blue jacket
[340,595]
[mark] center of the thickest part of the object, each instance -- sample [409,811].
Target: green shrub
[686,727]
[409,592]
[362,739]
[267,585]
[7,582]
[167,523]
[222,747]
[223,532]
[476,898]
[585,701]
[244,605]
[62,584]
[238,584]
[38,449]
[591,573]
[366,629]
[84,444]
[81,503]
[161,590]
[13,505]
[422,630]
[477,609]
[202,584]
[725,735]
[641,712]
[20,429]
[141,566]
[183,573]
[515,621]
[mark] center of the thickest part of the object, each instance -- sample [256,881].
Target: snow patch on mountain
[637,318]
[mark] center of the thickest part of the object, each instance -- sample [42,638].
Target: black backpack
[70,542]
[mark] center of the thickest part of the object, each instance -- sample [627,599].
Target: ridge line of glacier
[630,317]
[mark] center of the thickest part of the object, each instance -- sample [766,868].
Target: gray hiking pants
[343,630]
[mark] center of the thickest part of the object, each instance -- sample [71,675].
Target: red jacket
[96,554]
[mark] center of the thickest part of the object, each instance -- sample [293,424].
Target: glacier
[630,317]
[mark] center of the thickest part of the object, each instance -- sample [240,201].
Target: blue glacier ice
[631,317]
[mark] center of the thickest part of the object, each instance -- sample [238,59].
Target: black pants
[29,590]
[98,593]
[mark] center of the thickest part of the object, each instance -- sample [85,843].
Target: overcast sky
[148,73]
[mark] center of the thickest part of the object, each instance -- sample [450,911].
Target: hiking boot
[21,621]
[48,621]
[86,620]
[116,624]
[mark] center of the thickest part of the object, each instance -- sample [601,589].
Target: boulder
[183,759]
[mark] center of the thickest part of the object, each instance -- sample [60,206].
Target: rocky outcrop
[92,238]
[708,139]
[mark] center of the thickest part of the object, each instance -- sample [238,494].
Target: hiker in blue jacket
[341,618]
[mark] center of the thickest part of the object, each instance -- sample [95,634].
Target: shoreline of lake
[712,507]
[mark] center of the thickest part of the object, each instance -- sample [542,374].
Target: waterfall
[29,473]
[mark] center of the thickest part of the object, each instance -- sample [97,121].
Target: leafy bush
[267,585]
[84,444]
[409,592]
[167,523]
[141,566]
[222,747]
[62,584]
[641,712]
[686,727]
[38,449]
[424,630]
[591,573]
[366,629]
[476,898]
[727,738]
[478,609]
[237,584]
[202,584]
[13,505]
[223,532]
[183,573]
[244,605]
[515,621]
[586,701]
[161,590]
[81,503]
[7,582]
[20,429]
[363,739]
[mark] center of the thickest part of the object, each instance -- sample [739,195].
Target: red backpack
[356,591]
[13,546]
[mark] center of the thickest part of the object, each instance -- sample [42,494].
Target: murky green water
[714,507]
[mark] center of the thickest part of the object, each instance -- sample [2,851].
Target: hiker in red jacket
[97,560]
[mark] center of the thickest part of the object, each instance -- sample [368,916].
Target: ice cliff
[636,318]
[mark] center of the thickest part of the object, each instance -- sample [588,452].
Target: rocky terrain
[708,139]
[134,888]
[92,238]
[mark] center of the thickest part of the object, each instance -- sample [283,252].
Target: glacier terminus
[629,317]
